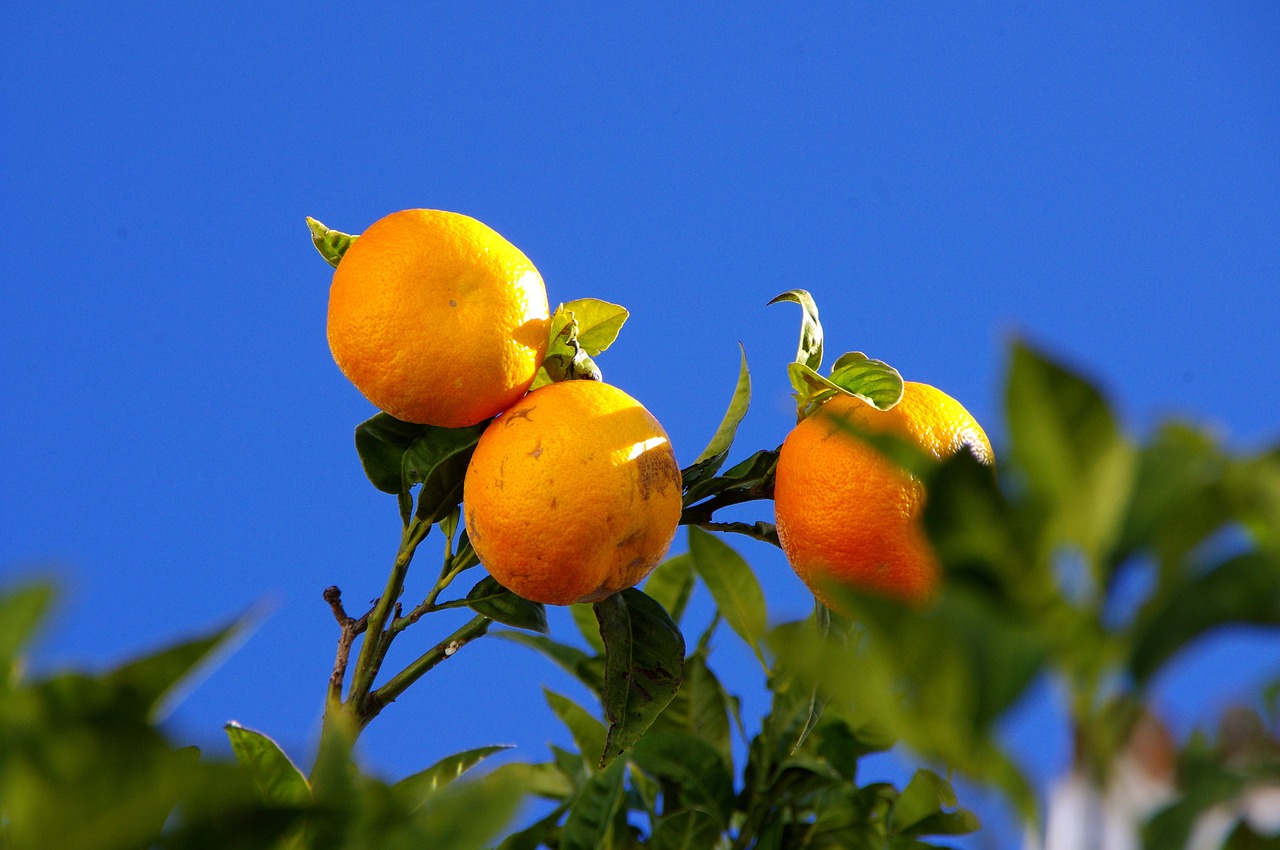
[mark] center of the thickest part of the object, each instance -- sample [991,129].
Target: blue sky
[1101,178]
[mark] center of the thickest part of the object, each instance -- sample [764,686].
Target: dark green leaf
[644,659]
[1245,589]
[690,769]
[381,442]
[752,477]
[591,816]
[275,775]
[701,708]
[331,244]
[497,603]
[1066,441]
[809,352]
[438,460]
[671,585]
[713,456]
[417,788]
[584,617]
[733,585]
[588,733]
[687,829]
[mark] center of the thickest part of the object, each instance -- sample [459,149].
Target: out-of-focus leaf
[687,829]
[150,682]
[644,660]
[1067,443]
[688,766]
[1245,589]
[331,244]
[591,817]
[584,617]
[921,808]
[809,352]
[588,733]
[671,585]
[275,775]
[713,456]
[466,815]
[497,603]
[733,585]
[21,610]
[701,708]
[419,786]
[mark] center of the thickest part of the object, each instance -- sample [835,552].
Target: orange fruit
[846,514]
[572,494]
[437,319]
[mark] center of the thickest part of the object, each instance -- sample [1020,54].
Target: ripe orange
[572,494]
[846,514]
[437,319]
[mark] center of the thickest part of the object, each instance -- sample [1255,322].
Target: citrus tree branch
[378,699]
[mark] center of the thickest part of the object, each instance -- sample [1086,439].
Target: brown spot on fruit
[657,468]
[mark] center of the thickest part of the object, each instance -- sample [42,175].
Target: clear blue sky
[1102,178]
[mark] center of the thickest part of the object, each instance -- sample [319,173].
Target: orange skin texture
[846,514]
[572,494]
[437,319]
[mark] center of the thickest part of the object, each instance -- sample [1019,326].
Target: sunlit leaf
[733,585]
[497,603]
[465,815]
[809,352]
[874,381]
[644,659]
[419,786]
[274,773]
[331,244]
[598,322]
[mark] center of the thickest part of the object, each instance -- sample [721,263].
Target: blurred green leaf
[921,808]
[586,668]
[809,352]
[713,456]
[644,660]
[331,244]
[1065,440]
[584,617]
[588,733]
[1244,589]
[690,769]
[21,611]
[497,603]
[671,585]
[466,815]
[687,829]
[275,775]
[733,585]
[419,786]
[591,816]
[147,681]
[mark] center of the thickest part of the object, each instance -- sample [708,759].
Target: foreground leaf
[644,661]
[275,774]
[423,784]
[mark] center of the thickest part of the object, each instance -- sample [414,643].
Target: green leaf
[381,442]
[586,668]
[418,787]
[497,603]
[590,821]
[438,460]
[690,769]
[1245,589]
[331,244]
[589,734]
[749,479]
[687,829]
[466,815]
[809,353]
[275,775]
[920,808]
[21,610]
[671,585]
[154,679]
[733,586]
[1066,441]
[584,617]
[874,381]
[713,456]
[644,660]
[701,708]
[598,322]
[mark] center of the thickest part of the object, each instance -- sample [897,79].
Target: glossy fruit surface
[572,494]
[437,319]
[845,513]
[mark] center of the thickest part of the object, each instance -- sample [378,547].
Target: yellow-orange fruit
[846,514]
[572,494]
[437,319]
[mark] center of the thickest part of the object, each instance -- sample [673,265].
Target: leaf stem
[378,699]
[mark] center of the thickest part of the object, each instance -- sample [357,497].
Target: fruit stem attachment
[474,628]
